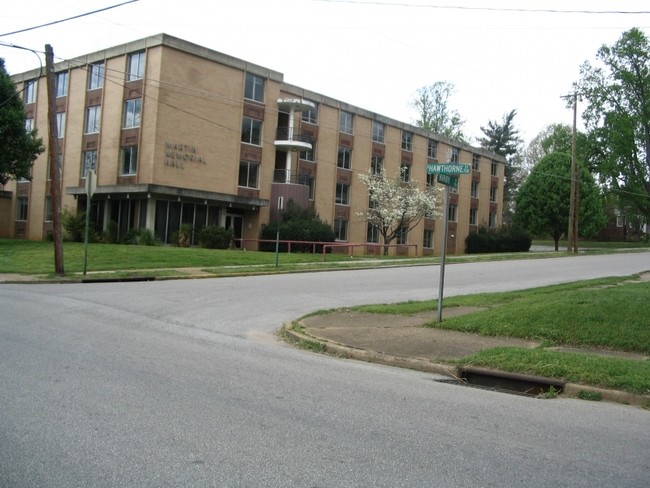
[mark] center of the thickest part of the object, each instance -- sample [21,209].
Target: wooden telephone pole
[53,155]
[574,200]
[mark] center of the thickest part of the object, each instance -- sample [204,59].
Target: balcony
[291,177]
[288,139]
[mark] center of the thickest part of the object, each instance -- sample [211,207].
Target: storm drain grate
[506,382]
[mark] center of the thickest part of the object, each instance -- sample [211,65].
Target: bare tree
[434,114]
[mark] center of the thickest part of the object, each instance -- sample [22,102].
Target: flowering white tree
[397,206]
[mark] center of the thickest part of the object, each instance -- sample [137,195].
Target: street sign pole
[446,172]
[443,256]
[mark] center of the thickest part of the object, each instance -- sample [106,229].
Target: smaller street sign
[448,180]
[449,168]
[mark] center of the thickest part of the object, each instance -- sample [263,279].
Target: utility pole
[53,155]
[574,206]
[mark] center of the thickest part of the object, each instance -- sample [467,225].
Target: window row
[132,118]
[128,161]
[96,76]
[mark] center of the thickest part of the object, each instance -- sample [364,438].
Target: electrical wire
[68,18]
[488,9]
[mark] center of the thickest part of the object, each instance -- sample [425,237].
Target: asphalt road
[183,383]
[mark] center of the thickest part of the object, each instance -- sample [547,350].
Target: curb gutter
[427,366]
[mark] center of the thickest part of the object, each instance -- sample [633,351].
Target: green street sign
[449,168]
[448,180]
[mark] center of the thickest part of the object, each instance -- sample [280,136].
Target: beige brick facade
[179,144]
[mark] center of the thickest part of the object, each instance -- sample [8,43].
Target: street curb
[348,352]
[573,390]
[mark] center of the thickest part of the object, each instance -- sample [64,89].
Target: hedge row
[504,239]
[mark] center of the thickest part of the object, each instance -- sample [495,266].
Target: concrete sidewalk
[403,341]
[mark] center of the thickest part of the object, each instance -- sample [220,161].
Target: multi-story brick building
[178,133]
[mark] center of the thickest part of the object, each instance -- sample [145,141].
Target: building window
[474,189]
[346,122]
[407,141]
[493,193]
[378,132]
[60,125]
[62,84]
[451,214]
[432,149]
[344,160]
[402,236]
[22,208]
[376,165]
[89,163]
[405,173]
[129,164]
[311,182]
[132,113]
[311,116]
[620,221]
[476,162]
[372,234]
[495,169]
[342,194]
[96,76]
[251,131]
[48,209]
[309,154]
[473,216]
[136,66]
[455,155]
[431,180]
[493,220]
[341,229]
[248,174]
[254,89]
[29,124]
[427,239]
[93,119]
[30,91]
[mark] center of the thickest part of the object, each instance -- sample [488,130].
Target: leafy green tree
[18,146]
[554,138]
[542,205]
[434,114]
[503,139]
[617,118]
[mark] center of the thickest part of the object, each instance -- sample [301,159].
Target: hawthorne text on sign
[449,169]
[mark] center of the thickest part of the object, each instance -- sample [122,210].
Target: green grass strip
[606,372]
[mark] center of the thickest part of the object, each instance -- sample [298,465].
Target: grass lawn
[37,258]
[607,314]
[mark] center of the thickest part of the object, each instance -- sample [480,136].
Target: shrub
[74,225]
[215,237]
[140,237]
[481,241]
[183,237]
[297,224]
[505,239]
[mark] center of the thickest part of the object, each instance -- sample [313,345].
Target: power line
[488,9]
[68,18]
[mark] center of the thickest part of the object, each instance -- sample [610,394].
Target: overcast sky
[372,54]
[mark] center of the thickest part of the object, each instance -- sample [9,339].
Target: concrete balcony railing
[288,139]
[291,177]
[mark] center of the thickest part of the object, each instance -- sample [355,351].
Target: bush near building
[297,224]
[504,239]
[215,237]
